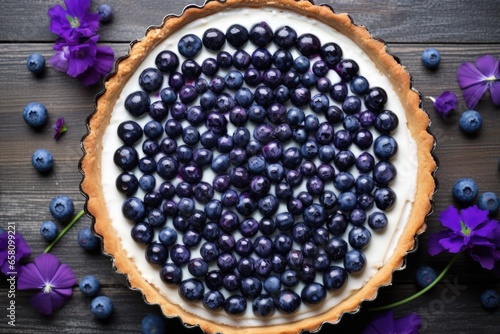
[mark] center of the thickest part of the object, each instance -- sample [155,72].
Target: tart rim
[418,123]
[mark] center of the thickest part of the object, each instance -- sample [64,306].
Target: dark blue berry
[137,103]
[287,301]
[431,58]
[235,304]
[424,276]
[170,273]
[331,53]
[347,69]
[375,99]
[189,45]
[334,278]
[308,45]
[261,34]
[167,61]
[237,35]
[263,306]
[241,60]
[191,289]
[339,91]
[156,253]
[213,300]
[313,293]
[142,233]
[285,37]
[213,39]
[197,267]
[465,191]
[385,147]
[151,79]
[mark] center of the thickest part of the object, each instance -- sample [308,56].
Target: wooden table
[461,30]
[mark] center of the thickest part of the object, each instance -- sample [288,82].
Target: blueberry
[284,221]
[226,262]
[150,79]
[167,168]
[424,276]
[336,248]
[347,69]
[283,60]
[470,122]
[287,301]
[313,293]
[156,253]
[263,267]
[213,280]
[197,267]
[191,289]
[87,240]
[213,39]
[384,198]
[315,215]
[359,85]
[237,35]
[142,233]
[263,306]
[272,77]
[386,122]
[490,299]
[359,237]
[167,61]
[250,287]
[173,128]
[344,160]
[354,261]
[49,230]
[334,278]
[189,45]
[488,201]
[367,118]
[465,191]
[137,103]
[261,34]
[285,37]
[385,147]
[235,304]
[231,282]
[35,114]
[351,104]
[101,307]
[35,63]
[191,69]
[275,172]
[180,254]
[301,64]
[375,99]
[170,273]
[308,79]
[167,236]
[153,324]
[339,91]
[89,286]
[61,207]
[365,162]
[308,45]
[213,300]
[105,13]
[431,58]
[261,59]
[319,103]
[377,220]
[384,173]
[42,160]
[337,223]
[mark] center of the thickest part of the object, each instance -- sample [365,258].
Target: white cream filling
[382,244]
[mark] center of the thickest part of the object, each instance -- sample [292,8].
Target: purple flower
[13,248]
[85,61]
[385,323]
[75,21]
[445,103]
[475,81]
[53,280]
[60,128]
[469,230]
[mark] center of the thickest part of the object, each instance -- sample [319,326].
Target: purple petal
[445,103]
[486,229]
[409,324]
[102,66]
[495,92]
[450,218]
[488,66]
[382,323]
[484,256]
[474,93]
[47,265]
[82,57]
[30,278]
[63,278]
[59,24]
[473,216]
[77,8]
[468,75]
[47,303]
[433,245]
[452,244]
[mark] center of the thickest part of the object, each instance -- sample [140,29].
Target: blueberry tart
[258,165]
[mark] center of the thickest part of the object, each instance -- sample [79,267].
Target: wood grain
[461,30]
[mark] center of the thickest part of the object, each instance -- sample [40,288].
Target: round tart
[258,165]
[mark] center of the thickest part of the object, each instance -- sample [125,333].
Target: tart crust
[418,122]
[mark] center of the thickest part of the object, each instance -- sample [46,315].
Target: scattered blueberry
[105,13]
[465,191]
[61,207]
[189,45]
[35,63]
[42,160]
[431,58]
[87,240]
[470,122]
[153,324]
[424,276]
[489,201]
[35,114]
[490,299]
[49,230]
[101,307]
[89,286]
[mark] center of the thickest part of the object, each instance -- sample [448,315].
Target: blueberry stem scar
[421,292]
[63,232]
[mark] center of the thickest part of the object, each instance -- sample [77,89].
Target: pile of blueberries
[266,208]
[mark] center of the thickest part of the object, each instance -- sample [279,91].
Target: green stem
[421,292]
[63,232]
